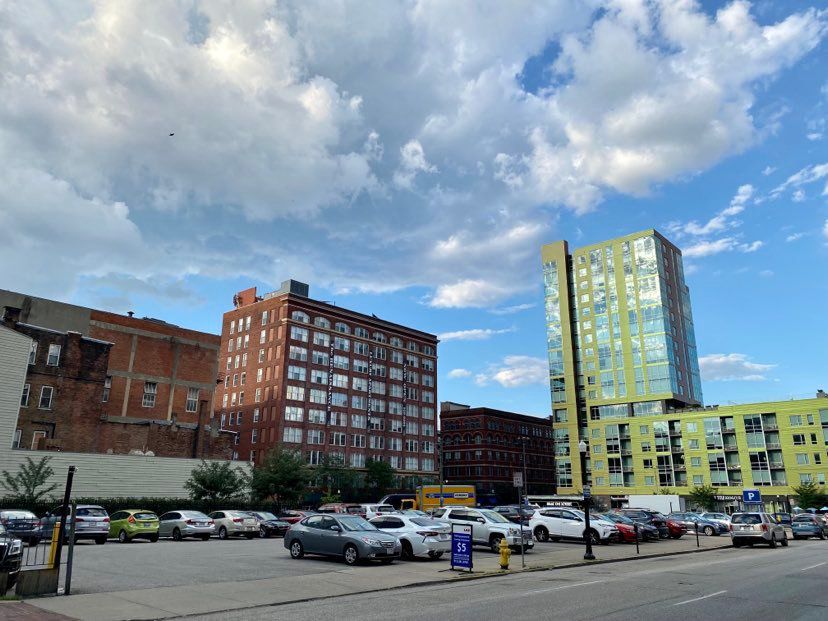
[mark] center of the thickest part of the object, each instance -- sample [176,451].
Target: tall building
[620,338]
[486,447]
[130,384]
[311,376]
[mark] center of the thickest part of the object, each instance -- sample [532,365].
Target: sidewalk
[168,602]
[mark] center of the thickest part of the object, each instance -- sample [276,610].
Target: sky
[410,158]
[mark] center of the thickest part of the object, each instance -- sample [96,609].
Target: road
[757,584]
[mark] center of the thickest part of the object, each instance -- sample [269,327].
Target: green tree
[809,495]
[216,480]
[29,484]
[283,475]
[379,475]
[334,476]
[704,496]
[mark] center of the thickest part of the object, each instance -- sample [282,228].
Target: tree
[283,475]
[216,481]
[809,495]
[28,484]
[334,475]
[379,475]
[704,496]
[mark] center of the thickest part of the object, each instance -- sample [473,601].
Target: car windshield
[384,508]
[264,515]
[18,515]
[145,515]
[803,518]
[493,516]
[194,514]
[355,523]
[427,522]
[91,512]
[621,519]
[354,510]
[747,518]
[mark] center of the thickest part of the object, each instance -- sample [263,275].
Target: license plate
[147,524]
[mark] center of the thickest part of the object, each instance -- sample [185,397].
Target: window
[376,442]
[261,355]
[262,337]
[693,444]
[357,460]
[150,392]
[296,393]
[318,377]
[799,439]
[318,396]
[341,327]
[247,323]
[264,318]
[257,396]
[246,340]
[644,430]
[321,322]
[357,440]
[698,480]
[342,344]
[648,463]
[796,420]
[316,436]
[361,366]
[360,383]
[33,352]
[359,421]
[692,427]
[46,398]
[54,355]
[320,357]
[322,339]
[254,436]
[296,373]
[695,462]
[338,438]
[316,416]
[802,459]
[256,415]
[298,353]
[292,434]
[192,399]
[300,316]
[299,334]
[259,375]
[24,398]
[341,362]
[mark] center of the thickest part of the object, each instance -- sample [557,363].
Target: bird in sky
[172,133]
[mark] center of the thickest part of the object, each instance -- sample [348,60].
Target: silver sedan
[347,536]
[185,523]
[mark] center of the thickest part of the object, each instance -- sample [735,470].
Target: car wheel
[785,541]
[249,536]
[541,533]
[222,533]
[296,549]
[773,541]
[594,537]
[708,530]
[123,537]
[263,533]
[494,543]
[407,551]
[821,535]
[737,543]
[33,542]
[99,541]
[675,536]
[351,554]
[435,555]
[176,534]
[386,561]
[205,537]
[153,538]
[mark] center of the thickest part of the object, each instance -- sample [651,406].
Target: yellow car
[132,524]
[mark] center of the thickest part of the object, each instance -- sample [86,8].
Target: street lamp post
[588,555]
[440,454]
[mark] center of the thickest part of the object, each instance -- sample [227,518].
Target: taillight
[211,523]
[38,524]
[765,527]
[131,519]
[77,519]
[238,520]
[106,519]
[190,522]
[428,533]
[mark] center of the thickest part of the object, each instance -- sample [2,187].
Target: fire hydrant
[505,554]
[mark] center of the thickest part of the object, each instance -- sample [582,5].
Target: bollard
[635,528]
[53,547]
[505,554]
[697,533]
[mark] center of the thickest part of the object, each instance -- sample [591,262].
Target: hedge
[157,505]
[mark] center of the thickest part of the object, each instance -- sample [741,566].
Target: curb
[458,578]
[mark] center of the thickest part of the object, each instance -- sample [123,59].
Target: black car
[647,516]
[24,525]
[269,524]
[513,513]
[11,555]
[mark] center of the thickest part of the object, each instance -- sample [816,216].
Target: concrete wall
[47,313]
[97,475]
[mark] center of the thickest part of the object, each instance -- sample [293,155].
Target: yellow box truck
[428,497]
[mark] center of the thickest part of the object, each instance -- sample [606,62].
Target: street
[757,584]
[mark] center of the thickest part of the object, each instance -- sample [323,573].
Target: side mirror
[336,528]
[480,520]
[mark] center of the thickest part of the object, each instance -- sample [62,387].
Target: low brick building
[485,447]
[123,384]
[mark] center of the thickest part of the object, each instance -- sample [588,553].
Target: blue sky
[409,159]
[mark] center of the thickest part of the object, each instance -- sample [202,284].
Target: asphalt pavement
[757,584]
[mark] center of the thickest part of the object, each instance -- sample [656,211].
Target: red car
[626,527]
[676,529]
[291,517]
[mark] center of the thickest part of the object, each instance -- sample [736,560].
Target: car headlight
[17,546]
[514,532]
[372,542]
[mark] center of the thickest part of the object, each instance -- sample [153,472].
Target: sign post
[517,481]
[751,497]
[461,546]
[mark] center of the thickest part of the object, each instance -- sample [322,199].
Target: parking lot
[167,563]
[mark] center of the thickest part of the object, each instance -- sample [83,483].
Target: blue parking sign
[751,496]
[461,546]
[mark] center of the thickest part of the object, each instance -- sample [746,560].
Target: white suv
[488,527]
[558,524]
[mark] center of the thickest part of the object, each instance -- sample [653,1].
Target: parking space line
[696,599]
[565,586]
[813,566]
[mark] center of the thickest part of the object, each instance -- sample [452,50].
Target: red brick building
[485,447]
[122,385]
[327,381]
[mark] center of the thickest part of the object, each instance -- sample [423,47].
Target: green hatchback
[132,524]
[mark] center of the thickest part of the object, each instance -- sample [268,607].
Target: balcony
[679,468]
[777,465]
[773,445]
[731,430]
[770,426]
[676,449]
[675,433]
[731,447]
[734,466]
[626,451]
[624,435]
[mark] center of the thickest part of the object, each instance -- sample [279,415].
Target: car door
[218,518]
[164,523]
[572,527]
[311,535]
[552,521]
[330,536]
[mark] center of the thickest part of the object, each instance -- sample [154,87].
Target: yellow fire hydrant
[505,554]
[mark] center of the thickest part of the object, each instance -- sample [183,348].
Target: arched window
[379,337]
[341,327]
[477,439]
[361,332]
[396,342]
[300,316]
[321,322]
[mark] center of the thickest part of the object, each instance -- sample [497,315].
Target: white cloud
[458,373]
[334,142]
[768,170]
[798,196]
[766,273]
[515,371]
[732,367]
[794,237]
[722,221]
[709,248]
[511,310]
[752,246]
[475,334]
[809,174]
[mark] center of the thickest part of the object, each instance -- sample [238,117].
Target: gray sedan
[342,535]
[185,523]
